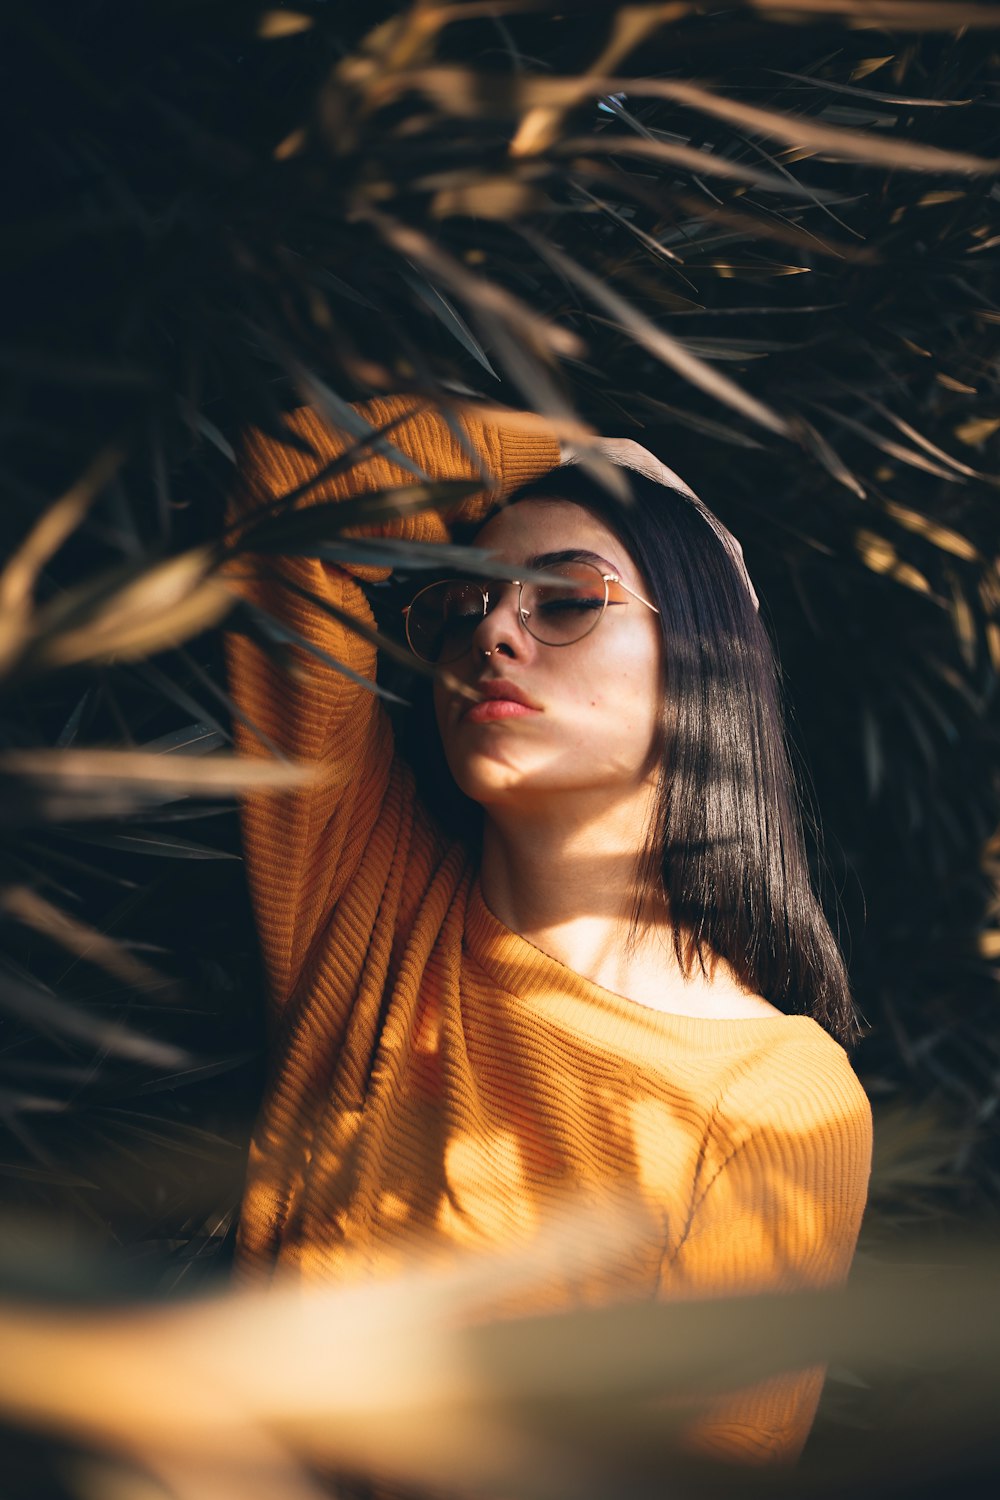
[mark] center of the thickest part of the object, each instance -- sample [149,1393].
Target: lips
[500,700]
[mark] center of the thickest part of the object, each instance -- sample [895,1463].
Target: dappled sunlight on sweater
[440,1085]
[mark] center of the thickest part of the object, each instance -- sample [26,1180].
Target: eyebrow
[569,554]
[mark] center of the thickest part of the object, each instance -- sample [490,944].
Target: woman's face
[593,714]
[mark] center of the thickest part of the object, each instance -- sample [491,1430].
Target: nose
[501,629]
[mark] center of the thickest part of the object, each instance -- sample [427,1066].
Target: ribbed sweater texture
[437,1081]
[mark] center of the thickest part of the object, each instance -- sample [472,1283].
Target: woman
[587,995]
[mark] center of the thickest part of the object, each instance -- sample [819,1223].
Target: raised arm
[303,848]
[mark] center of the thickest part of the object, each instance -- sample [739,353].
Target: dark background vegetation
[214,211]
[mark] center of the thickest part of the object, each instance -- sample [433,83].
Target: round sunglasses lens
[567,606]
[442,619]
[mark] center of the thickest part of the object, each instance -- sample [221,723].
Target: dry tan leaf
[941,536]
[292,145]
[279,23]
[215,775]
[462,92]
[404,39]
[962,619]
[631,25]
[989,943]
[869,65]
[403,1367]
[977,430]
[17,582]
[951,384]
[54,527]
[908,430]
[729,269]
[489,198]
[266,1473]
[79,938]
[477,1402]
[164,606]
[799,130]
[878,553]
[947,469]
[705,163]
[894,15]
[792,154]
[911,578]
[474,290]
[993,644]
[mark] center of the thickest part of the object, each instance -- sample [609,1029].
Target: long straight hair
[725,850]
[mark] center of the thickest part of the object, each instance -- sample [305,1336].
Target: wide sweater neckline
[544,985]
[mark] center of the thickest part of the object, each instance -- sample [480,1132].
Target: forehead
[548,525]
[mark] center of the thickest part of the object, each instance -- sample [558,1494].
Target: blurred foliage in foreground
[762,238]
[417,1383]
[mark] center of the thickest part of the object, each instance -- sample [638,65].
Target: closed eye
[564,606]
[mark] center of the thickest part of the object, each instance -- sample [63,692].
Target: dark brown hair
[726,849]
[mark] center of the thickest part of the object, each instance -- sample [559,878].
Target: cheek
[620,703]
[650,688]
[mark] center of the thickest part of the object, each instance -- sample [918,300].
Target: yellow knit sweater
[437,1080]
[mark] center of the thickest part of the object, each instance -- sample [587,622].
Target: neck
[565,878]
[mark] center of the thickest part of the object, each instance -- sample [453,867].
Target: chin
[491,775]
[488,783]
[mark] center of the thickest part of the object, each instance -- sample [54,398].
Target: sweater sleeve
[780,1211]
[302,848]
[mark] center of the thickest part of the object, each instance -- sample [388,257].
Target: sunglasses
[562,604]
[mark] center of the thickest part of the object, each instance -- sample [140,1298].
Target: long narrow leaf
[438,304]
[79,770]
[46,1011]
[327,520]
[79,938]
[888,445]
[702,161]
[160,845]
[278,632]
[830,86]
[477,95]
[666,348]
[896,15]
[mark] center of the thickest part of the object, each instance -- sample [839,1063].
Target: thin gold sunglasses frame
[524,614]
